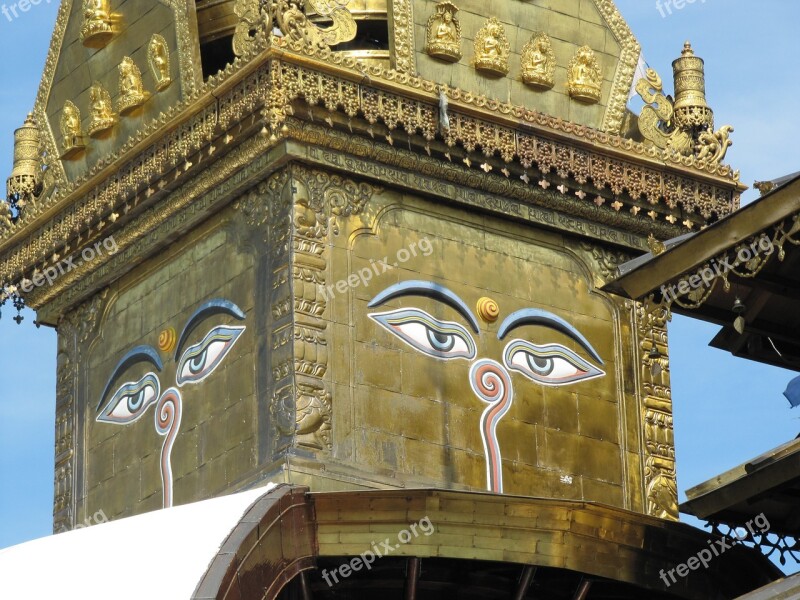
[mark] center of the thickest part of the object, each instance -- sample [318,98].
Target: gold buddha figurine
[131,91]
[444,32]
[97,29]
[492,48]
[102,113]
[158,57]
[584,76]
[71,137]
[539,61]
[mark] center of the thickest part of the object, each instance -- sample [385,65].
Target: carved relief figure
[584,76]
[547,364]
[97,28]
[158,57]
[131,91]
[492,48]
[539,61]
[193,364]
[71,137]
[102,115]
[444,32]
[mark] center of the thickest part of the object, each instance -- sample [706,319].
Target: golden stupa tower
[357,248]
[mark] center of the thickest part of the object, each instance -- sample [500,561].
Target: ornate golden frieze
[515,199]
[488,108]
[136,240]
[529,137]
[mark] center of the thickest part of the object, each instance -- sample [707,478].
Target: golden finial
[656,246]
[691,108]
[25,180]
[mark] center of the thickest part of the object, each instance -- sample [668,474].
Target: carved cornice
[185,205]
[174,145]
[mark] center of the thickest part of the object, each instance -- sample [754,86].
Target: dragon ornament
[685,125]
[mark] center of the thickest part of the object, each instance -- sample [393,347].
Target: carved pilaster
[661,485]
[319,200]
[74,333]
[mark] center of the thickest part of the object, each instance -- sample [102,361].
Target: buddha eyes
[441,339]
[547,364]
[200,360]
[131,400]
[551,364]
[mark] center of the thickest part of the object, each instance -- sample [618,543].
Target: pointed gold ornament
[492,48]
[26,176]
[444,32]
[102,112]
[585,77]
[131,91]
[539,61]
[158,57]
[71,136]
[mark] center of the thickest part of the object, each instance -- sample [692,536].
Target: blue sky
[726,410]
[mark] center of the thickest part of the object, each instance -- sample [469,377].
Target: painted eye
[551,364]
[131,400]
[441,339]
[200,360]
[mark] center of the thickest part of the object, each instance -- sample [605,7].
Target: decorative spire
[691,108]
[25,180]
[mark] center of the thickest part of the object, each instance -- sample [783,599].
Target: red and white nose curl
[168,421]
[492,384]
